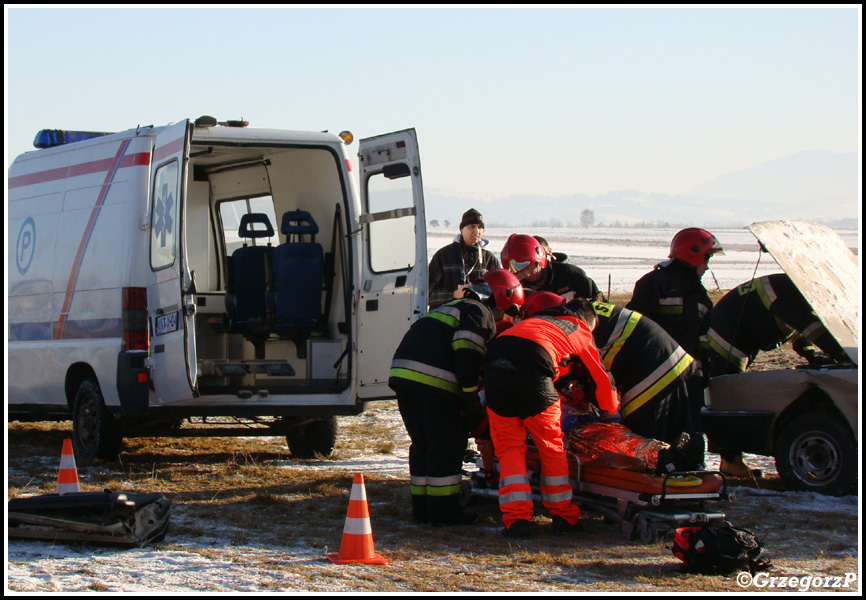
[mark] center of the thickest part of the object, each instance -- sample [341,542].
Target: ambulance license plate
[166,324]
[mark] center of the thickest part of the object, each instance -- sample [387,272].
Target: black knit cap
[471,217]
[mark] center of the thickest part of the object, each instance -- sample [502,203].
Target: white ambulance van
[209,278]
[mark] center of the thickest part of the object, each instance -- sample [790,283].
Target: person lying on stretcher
[598,440]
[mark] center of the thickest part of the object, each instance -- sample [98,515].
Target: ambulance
[209,278]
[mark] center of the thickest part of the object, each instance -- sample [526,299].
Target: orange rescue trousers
[515,494]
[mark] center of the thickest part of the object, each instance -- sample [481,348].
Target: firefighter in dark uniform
[533,264]
[672,294]
[520,369]
[762,314]
[436,374]
[652,373]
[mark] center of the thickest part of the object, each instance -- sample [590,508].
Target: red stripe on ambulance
[88,231]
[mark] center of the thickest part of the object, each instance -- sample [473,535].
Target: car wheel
[95,433]
[314,438]
[817,452]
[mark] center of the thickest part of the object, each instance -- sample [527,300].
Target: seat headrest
[298,222]
[245,231]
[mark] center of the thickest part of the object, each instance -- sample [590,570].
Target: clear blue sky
[549,101]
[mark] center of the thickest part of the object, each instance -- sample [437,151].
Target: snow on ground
[45,567]
[202,564]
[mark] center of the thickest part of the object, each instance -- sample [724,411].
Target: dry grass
[244,500]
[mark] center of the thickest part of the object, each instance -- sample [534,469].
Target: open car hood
[824,270]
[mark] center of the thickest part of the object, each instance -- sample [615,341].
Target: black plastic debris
[104,517]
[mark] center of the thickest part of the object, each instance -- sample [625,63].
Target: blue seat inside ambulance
[298,275]
[249,275]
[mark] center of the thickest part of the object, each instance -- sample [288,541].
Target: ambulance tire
[817,452]
[315,438]
[95,433]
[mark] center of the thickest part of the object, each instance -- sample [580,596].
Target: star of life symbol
[163,210]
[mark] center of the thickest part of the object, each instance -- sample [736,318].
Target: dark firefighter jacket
[454,265]
[443,351]
[537,350]
[645,361]
[673,296]
[759,315]
[562,277]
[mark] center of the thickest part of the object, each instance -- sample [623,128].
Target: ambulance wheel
[313,438]
[95,433]
[817,452]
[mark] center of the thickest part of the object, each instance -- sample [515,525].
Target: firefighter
[557,256]
[436,374]
[762,314]
[672,294]
[651,372]
[757,315]
[520,370]
[533,264]
[460,262]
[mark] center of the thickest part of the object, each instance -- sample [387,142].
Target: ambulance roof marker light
[347,137]
[49,138]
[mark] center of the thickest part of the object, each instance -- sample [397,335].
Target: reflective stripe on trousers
[515,493]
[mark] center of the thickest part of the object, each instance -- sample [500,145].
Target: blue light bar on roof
[48,138]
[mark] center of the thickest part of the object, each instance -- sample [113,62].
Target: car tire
[313,438]
[95,433]
[817,452]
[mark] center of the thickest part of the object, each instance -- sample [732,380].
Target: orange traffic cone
[67,479]
[357,545]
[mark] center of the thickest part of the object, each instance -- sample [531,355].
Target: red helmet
[524,256]
[694,246]
[502,286]
[541,301]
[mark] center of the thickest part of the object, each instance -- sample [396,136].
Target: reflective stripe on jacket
[445,348]
[643,358]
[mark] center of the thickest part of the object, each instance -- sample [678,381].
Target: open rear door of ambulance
[172,345]
[394,265]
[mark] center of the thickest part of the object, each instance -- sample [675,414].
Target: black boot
[419,510]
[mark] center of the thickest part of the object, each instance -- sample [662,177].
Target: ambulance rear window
[231,212]
[391,241]
[164,218]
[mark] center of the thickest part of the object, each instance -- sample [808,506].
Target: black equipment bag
[719,550]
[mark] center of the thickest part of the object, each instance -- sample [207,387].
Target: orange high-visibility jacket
[563,337]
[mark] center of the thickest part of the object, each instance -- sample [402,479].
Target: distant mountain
[813,186]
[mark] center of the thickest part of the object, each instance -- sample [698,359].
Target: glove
[472,410]
[614,417]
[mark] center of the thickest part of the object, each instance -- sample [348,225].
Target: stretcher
[646,506]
